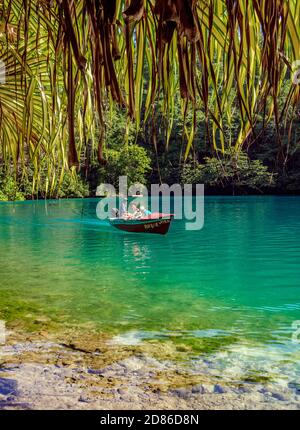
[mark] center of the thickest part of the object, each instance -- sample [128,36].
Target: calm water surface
[235,282]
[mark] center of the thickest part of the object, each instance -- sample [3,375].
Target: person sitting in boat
[145,212]
[123,209]
[136,212]
[115,213]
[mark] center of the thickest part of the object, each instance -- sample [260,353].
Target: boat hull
[146,225]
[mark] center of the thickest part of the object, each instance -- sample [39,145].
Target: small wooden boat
[155,223]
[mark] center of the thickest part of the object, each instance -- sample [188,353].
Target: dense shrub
[72,186]
[9,189]
[235,171]
[131,161]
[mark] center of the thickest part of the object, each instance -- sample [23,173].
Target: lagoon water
[232,287]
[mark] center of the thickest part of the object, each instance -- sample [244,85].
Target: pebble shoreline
[37,374]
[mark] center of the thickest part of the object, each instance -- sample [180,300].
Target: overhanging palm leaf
[220,55]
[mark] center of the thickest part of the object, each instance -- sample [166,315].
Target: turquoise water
[236,281]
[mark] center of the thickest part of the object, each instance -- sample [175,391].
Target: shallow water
[235,284]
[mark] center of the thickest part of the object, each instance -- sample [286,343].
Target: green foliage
[194,103]
[72,186]
[119,129]
[131,161]
[9,189]
[235,171]
[3,197]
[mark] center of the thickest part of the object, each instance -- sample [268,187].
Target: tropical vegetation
[200,85]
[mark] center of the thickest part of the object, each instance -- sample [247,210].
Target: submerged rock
[198,389]
[183,393]
[295,386]
[279,396]
[84,399]
[98,372]
[219,389]
[8,387]
[208,388]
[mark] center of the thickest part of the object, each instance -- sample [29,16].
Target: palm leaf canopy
[68,61]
